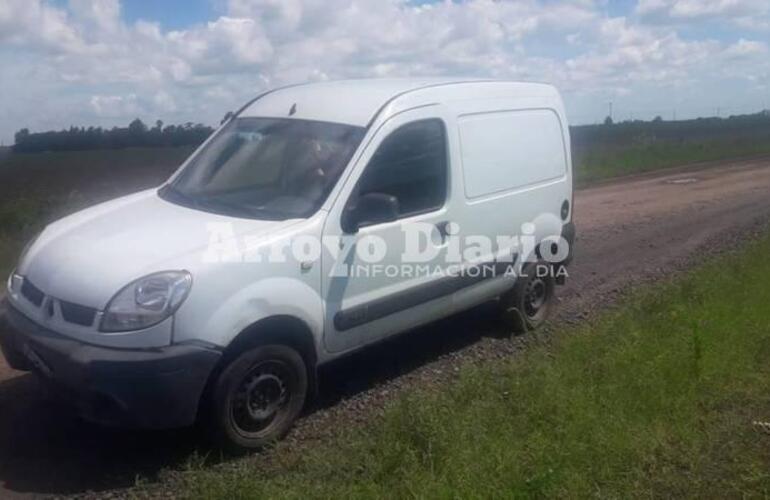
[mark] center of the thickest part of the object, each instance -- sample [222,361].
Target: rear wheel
[528,305]
[258,396]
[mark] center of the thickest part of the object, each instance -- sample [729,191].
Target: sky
[106,62]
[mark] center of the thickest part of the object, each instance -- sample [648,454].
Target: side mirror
[371,208]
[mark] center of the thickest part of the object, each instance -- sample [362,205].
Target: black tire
[528,304]
[257,397]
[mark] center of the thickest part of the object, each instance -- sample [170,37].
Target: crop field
[39,187]
[602,152]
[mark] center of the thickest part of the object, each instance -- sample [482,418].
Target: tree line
[137,134]
[754,126]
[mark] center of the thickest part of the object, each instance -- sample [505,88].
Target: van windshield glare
[266,168]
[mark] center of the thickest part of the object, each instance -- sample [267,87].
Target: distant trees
[137,134]
[590,139]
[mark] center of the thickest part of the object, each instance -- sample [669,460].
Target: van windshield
[266,168]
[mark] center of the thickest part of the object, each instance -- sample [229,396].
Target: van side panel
[506,150]
[515,172]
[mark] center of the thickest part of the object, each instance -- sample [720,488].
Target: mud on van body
[146,311]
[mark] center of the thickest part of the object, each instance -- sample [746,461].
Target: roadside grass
[654,399]
[601,162]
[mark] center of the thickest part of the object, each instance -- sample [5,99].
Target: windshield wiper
[249,211]
[218,205]
[185,199]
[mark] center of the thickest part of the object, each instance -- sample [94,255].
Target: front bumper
[153,388]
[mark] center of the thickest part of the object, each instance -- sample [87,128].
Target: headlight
[14,283]
[147,301]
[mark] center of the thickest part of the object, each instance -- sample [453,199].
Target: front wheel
[528,305]
[258,396]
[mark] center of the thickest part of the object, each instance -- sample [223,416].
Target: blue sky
[171,14]
[105,62]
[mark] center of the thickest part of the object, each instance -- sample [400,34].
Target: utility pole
[610,111]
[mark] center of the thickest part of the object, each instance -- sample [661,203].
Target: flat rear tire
[528,305]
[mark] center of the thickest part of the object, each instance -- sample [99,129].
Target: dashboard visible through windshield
[266,168]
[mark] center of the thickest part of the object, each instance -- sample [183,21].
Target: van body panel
[506,177]
[249,291]
[362,100]
[510,150]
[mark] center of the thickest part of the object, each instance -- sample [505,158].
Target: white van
[318,219]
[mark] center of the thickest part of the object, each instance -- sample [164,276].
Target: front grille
[32,293]
[71,313]
[75,313]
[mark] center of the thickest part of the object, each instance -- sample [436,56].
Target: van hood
[89,256]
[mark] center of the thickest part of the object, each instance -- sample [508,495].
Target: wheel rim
[261,398]
[535,297]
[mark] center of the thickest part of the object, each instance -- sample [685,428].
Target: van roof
[358,102]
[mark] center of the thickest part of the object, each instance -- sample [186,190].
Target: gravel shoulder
[630,232]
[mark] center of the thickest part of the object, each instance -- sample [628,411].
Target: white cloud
[164,102]
[101,15]
[623,54]
[745,49]
[746,13]
[37,24]
[113,106]
[88,65]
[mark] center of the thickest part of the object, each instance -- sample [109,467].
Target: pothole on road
[687,180]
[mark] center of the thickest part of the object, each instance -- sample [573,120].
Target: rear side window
[410,164]
[507,150]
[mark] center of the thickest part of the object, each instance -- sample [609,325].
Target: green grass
[655,399]
[599,163]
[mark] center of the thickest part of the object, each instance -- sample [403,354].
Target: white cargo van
[318,219]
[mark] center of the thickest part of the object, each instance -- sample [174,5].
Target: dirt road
[630,231]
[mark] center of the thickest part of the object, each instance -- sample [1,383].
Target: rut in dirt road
[628,232]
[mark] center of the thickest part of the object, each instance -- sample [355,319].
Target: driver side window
[410,165]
